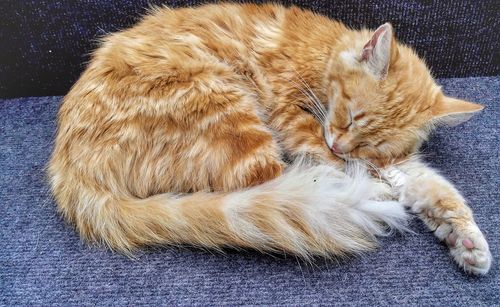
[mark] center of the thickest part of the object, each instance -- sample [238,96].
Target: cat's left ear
[378,51]
[451,112]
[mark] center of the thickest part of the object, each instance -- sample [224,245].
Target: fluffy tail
[308,211]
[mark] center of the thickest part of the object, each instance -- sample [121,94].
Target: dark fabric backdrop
[44,45]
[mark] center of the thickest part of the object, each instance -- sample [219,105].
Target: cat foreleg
[443,209]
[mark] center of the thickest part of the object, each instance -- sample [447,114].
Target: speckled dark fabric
[45,44]
[42,261]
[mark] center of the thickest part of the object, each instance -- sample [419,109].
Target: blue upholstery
[42,261]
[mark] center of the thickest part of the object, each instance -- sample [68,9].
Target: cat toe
[383,191]
[451,239]
[470,250]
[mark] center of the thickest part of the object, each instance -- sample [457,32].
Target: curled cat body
[188,128]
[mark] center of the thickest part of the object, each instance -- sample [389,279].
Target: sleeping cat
[193,126]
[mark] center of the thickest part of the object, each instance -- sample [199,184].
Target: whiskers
[313,105]
[374,169]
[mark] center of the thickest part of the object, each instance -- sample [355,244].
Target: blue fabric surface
[43,262]
[46,43]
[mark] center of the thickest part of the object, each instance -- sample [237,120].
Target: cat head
[382,99]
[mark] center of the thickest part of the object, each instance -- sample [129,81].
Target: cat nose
[340,148]
[335,148]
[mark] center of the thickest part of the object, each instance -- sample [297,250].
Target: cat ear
[451,112]
[377,52]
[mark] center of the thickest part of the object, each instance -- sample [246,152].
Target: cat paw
[451,221]
[468,247]
[383,191]
[394,177]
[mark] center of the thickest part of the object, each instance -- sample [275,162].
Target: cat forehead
[350,58]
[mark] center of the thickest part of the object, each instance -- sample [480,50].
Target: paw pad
[469,249]
[468,243]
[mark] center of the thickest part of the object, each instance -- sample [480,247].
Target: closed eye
[359,116]
[350,120]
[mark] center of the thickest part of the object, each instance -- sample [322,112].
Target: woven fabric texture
[42,261]
[45,44]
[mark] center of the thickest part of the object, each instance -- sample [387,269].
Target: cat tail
[308,211]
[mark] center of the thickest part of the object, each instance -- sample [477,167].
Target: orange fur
[215,99]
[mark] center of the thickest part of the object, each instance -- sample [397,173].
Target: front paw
[467,245]
[383,190]
[394,176]
[445,212]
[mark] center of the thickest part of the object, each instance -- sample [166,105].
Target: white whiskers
[313,103]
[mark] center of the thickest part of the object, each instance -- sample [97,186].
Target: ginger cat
[183,128]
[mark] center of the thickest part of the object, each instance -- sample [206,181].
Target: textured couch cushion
[43,262]
[45,43]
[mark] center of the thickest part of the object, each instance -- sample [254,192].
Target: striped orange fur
[181,130]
